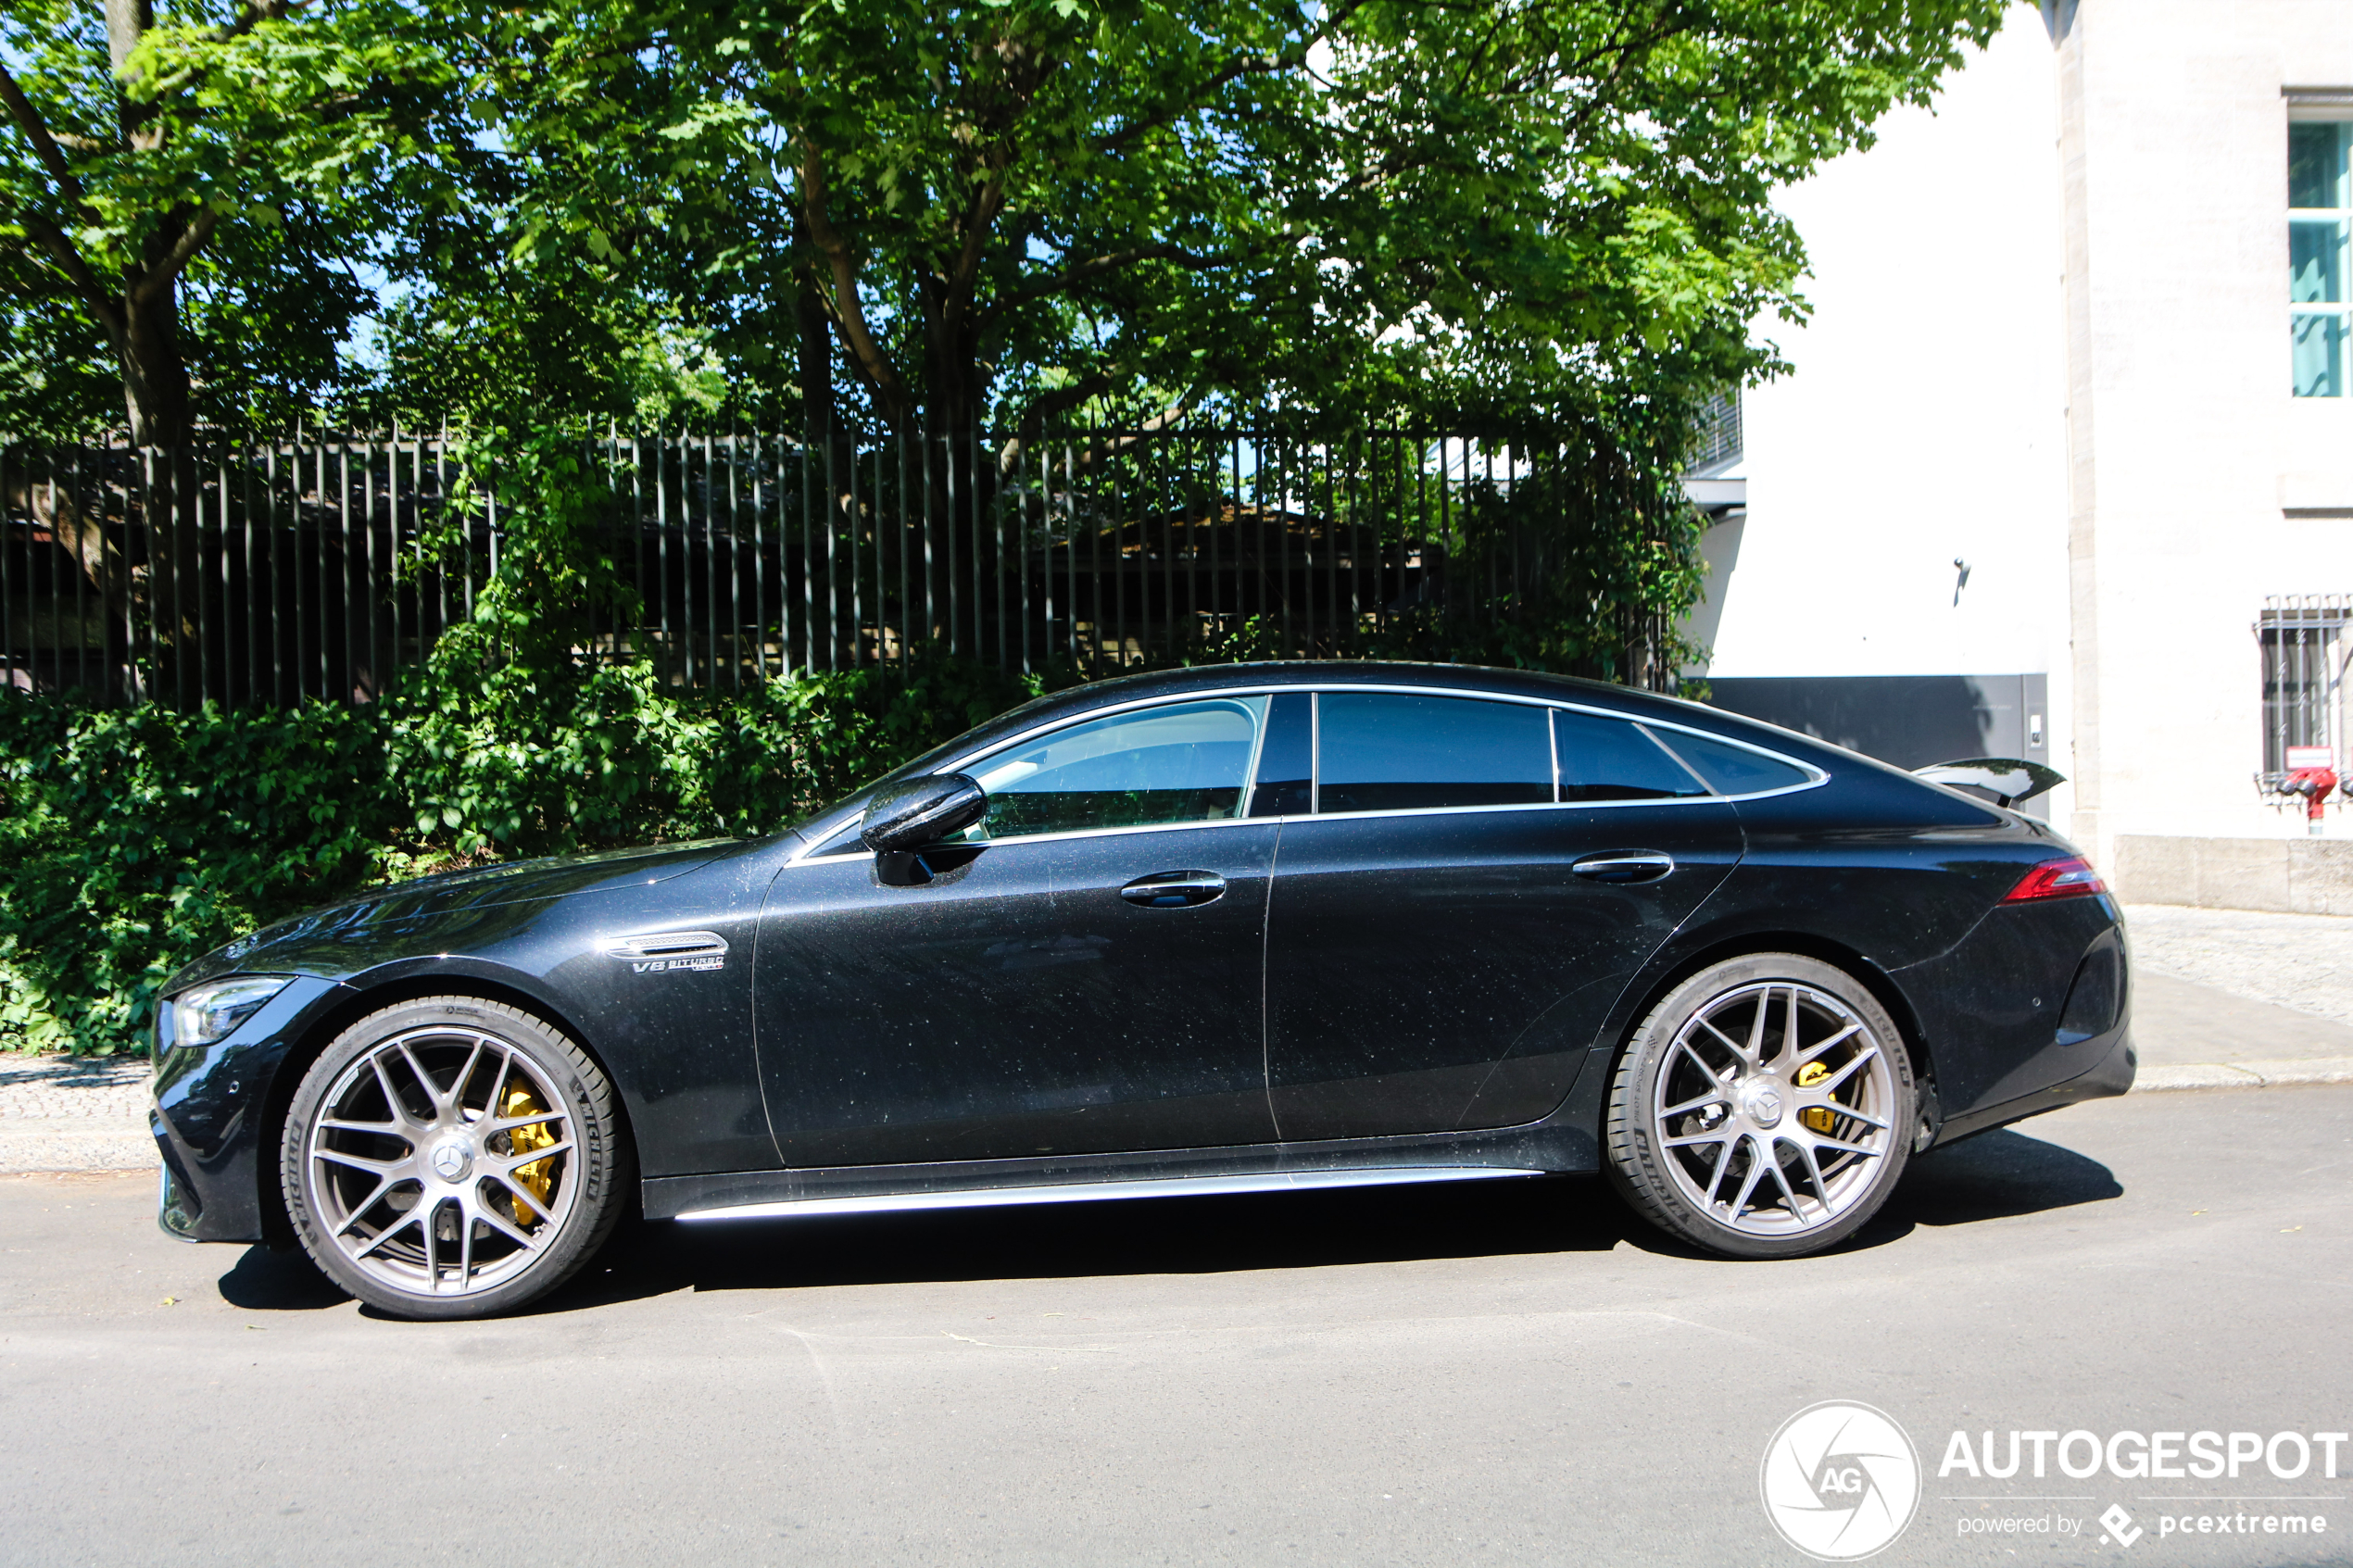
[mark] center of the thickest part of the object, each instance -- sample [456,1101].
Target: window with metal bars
[2304,649]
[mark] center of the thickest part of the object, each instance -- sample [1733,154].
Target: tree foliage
[189,196]
[962,211]
[978,210]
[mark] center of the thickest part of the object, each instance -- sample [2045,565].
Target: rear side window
[1733,769]
[1377,751]
[1610,760]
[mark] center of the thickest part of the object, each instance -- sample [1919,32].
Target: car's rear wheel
[1764,1109]
[453,1157]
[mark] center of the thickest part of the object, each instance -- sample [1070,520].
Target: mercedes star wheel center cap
[451,1161]
[1763,1105]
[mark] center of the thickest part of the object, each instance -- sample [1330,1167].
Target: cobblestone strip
[60,1113]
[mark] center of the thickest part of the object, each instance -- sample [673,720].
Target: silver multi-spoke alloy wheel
[449,1157]
[1764,1109]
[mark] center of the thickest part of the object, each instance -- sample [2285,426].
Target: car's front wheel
[1764,1109]
[453,1157]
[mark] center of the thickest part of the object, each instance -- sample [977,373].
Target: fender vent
[669,945]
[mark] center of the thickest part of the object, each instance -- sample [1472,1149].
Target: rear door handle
[1624,865]
[1174,890]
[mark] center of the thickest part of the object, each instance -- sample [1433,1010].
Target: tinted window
[1610,760]
[1287,758]
[1183,763]
[1375,752]
[1731,769]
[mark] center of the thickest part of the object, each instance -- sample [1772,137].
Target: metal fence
[320,565]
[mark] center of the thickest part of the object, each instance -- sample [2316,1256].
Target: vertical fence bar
[1020,533]
[146,466]
[253,578]
[660,446]
[808,561]
[343,574]
[709,492]
[860,548]
[1094,572]
[7,551]
[1331,548]
[947,502]
[1296,478]
[734,563]
[906,582]
[318,534]
[1191,502]
[832,577]
[1352,464]
[760,552]
[1002,605]
[83,529]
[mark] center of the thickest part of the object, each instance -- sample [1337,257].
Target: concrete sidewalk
[2227,998]
[2223,999]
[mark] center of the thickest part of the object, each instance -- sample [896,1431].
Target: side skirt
[1100,1192]
[868,1189]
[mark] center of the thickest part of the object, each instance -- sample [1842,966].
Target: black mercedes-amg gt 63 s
[1233,928]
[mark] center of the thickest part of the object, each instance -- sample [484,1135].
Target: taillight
[2070,878]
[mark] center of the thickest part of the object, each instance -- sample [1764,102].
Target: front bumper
[215,1116]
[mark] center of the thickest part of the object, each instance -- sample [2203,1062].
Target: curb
[2245,1074]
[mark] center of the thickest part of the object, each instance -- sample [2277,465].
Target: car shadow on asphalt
[1996,1175]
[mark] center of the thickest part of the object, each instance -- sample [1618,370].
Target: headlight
[204,1013]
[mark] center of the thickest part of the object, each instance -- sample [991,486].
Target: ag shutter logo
[1839,1481]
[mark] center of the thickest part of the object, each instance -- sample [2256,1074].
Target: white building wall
[1923,421]
[2110,448]
[2186,430]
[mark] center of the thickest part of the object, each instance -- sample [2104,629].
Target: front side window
[1376,751]
[1182,763]
[2319,225]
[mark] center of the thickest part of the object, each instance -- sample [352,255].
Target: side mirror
[921,812]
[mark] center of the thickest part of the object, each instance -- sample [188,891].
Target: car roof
[1118,690]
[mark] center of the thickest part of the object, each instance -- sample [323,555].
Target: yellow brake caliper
[538,1178]
[1819,1117]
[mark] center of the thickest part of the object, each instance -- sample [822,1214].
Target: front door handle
[1174,890]
[1624,865]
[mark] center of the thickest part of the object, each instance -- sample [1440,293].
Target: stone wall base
[2297,876]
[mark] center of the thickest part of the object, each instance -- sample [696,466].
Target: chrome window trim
[1815,777]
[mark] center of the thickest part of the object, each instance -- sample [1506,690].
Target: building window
[2304,649]
[2320,220]
[1715,433]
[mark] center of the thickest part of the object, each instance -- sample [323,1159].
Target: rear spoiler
[2006,780]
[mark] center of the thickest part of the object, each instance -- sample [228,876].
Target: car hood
[318,941]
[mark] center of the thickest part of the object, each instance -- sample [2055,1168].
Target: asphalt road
[1492,1373]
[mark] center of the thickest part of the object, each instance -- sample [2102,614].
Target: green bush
[134,839]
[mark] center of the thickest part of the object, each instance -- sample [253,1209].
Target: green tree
[984,212]
[188,195]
